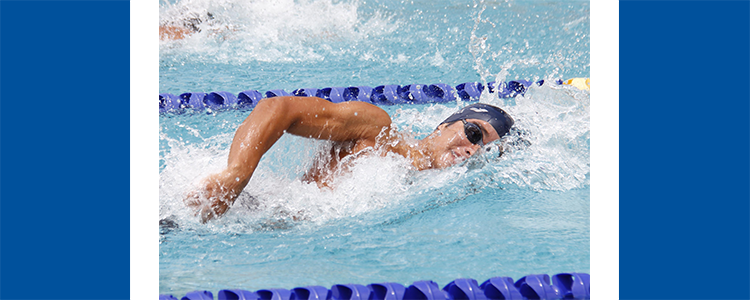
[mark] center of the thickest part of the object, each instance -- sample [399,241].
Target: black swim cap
[498,118]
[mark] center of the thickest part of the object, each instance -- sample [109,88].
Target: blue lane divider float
[387,291]
[535,286]
[312,293]
[379,95]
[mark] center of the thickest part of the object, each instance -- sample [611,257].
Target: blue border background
[64,156]
[684,150]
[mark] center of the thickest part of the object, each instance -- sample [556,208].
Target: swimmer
[184,28]
[355,128]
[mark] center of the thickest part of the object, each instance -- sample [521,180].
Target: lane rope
[535,286]
[379,95]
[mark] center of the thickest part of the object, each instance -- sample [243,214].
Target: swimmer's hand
[213,199]
[194,201]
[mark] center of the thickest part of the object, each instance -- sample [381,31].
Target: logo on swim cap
[498,118]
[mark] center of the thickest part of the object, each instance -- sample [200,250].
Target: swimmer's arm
[271,118]
[168,32]
[302,116]
[348,121]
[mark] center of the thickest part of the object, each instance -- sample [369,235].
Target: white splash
[239,32]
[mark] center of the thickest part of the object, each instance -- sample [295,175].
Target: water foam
[240,32]
[550,148]
[547,150]
[276,197]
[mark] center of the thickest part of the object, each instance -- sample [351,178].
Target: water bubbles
[548,151]
[241,32]
[548,146]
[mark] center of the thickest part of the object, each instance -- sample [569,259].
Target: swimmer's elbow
[369,113]
[281,106]
[373,120]
[383,119]
[277,109]
[271,104]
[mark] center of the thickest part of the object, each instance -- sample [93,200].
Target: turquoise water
[525,212]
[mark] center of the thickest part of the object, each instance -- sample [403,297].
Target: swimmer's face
[451,144]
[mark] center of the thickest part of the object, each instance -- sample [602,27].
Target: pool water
[522,213]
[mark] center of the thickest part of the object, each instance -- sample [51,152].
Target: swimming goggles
[473,133]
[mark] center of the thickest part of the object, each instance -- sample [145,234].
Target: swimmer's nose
[470,151]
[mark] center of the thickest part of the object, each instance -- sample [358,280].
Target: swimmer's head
[498,118]
[464,133]
[194,21]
